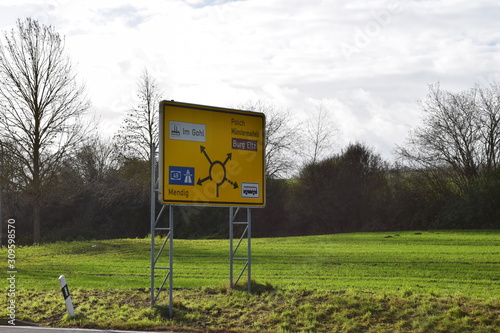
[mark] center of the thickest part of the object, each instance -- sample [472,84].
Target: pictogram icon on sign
[181,175]
[188,177]
[217,172]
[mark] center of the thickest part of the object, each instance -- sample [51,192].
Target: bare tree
[283,139]
[140,128]
[40,106]
[460,132]
[95,160]
[320,133]
[489,119]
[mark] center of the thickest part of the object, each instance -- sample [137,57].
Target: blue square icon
[180,175]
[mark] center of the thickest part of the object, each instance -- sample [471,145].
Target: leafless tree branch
[460,132]
[140,127]
[40,105]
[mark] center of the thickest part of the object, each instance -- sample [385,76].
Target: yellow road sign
[211,155]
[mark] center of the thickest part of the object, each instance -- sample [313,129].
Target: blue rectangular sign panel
[180,175]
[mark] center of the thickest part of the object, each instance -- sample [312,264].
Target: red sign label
[244,144]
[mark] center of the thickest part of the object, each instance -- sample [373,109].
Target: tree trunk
[37,235]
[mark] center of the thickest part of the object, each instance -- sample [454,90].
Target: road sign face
[211,156]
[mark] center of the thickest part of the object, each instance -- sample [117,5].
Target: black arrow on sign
[202,149]
[235,184]
[229,156]
[201,181]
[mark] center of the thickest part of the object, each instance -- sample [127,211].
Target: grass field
[405,281]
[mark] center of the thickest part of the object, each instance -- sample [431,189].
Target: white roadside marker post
[67,297]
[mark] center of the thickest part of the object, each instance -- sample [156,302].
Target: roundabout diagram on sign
[211,156]
[217,172]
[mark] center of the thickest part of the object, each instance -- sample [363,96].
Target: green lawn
[458,262]
[442,281]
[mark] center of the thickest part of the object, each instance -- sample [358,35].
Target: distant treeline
[357,191]
[354,190]
[60,181]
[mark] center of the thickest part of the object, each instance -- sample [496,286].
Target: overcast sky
[367,62]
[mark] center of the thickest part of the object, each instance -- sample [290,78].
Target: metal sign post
[233,258]
[208,156]
[156,230]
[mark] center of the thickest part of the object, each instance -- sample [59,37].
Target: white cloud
[369,61]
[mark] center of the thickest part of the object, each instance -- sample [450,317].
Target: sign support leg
[153,223]
[155,255]
[233,258]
